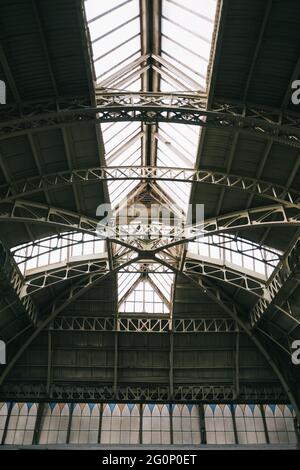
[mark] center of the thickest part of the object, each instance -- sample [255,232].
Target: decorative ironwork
[48,277]
[275,215]
[10,271]
[150,108]
[279,194]
[145,325]
[287,269]
[183,393]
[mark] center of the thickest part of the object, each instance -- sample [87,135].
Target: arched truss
[39,213]
[282,282]
[69,271]
[125,262]
[70,240]
[279,194]
[14,277]
[92,280]
[270,298]
[258,217]
[150,108]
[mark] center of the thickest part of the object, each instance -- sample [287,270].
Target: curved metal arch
[276,193]
[223,301]
[79,288]
[15,279]
[276,288]
[264,296]
[149,108]
[191,267]
[69,271]
[223,273]
[69,242]
[72,270]
[215,294]
[266,216]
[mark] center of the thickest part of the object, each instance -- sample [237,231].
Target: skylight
[56,249]
[187,28]
[114,27]
[117,38]
[70,246]
[176,147]
[145,288]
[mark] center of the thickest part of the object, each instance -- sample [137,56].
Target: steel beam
[284,280]
[45,277]
[183,393]
[76,290]
[140,324]
[253,186]
[72,239]
[149,107]
[223,273]
[235,312]
[69,271]
[215,294]
[11,273]
[257,217]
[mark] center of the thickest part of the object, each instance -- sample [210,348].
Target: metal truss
[278,288]
[65,273]
[233,277]
[205,325]
[68,271]
[71,239]
[183,393]
[200,272]
[258,217]
[16,281]
[229,306]
[279,194]
[145,325]
[92,280]
[150,108]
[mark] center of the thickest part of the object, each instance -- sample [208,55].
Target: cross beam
[215,294]
[142,393]
[256,187]
[150,108]
[72,270]
[12,275]
[139,324]
[282,283]
[257,217]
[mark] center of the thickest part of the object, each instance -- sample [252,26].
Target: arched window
[219,424]
[21,424]
[280,424]
[156,424]
[186,424]
[120,424]
[85,423]
[3,416]
[249,424]
[55,423]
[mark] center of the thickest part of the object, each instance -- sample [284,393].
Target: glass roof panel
[177,147]
[116,38]
[164,283]
[187,29]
